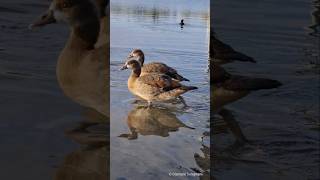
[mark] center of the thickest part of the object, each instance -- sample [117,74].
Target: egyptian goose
[227,88]
[153,87]
[82,70]
[154,67]
[223,53]
[103,7]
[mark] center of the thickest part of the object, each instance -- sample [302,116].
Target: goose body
[155,67]
[153,87]
[82,69]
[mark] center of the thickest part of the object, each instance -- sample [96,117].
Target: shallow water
[282,125]
[34,112]
[162,143]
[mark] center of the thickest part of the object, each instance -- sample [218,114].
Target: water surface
[157,141]
[282,125]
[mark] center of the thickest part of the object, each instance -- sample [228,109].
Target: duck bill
[46,18]
[124,67]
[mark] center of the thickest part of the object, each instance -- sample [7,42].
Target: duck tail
[179,77]
[245,58]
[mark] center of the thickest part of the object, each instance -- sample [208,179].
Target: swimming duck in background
[82,69]
[223,53]
[227,88]
[154,67]
[153,87]
[182,22]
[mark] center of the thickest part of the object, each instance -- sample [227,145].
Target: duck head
[81,15]
[138,55]
[131,64]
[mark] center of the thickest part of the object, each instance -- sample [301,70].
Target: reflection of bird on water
[315,18]
[203,162]
[83,68]
[153,87]
[152,121]
[223,53]
[90,161]
[227,88]
[154,67]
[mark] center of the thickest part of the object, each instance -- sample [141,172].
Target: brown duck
[155,67]
[82,68]
[153,87]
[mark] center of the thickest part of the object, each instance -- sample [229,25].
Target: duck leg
[233,126]
[183,101]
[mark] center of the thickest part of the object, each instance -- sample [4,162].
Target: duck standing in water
[153,87]
[82,68]
[154,67]
[182,23]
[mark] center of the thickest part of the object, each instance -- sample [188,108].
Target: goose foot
[183,102]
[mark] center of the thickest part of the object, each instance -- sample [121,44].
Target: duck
[82,69]
[181,22]
[154,67]
[153,86]
[223,53]
[227,88]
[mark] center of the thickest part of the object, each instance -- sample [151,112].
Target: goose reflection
[315,18]
[227,88]
[90,161]
[152,121]
[222,53]
[203,162]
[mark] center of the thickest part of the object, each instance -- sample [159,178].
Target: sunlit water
[282,125]
[163,144]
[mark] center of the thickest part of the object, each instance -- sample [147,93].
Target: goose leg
[183,101]
[149,104]
[233,126]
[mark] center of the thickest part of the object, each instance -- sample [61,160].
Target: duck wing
[160,81]
[158,67]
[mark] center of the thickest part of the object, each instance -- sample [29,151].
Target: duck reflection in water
[90,161]
[152,121]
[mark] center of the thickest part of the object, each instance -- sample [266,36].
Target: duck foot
[233,126]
